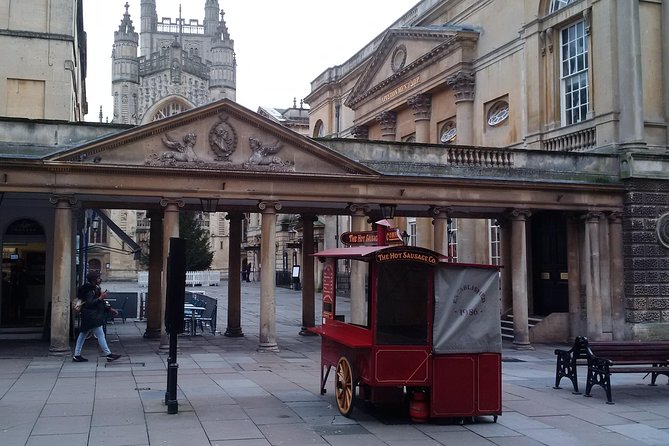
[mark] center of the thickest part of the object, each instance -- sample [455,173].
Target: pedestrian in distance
[92,316]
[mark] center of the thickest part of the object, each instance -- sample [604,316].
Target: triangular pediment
[402,53]
[222,136]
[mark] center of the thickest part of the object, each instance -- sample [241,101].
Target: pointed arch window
[168,110]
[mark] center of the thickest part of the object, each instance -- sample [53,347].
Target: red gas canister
[419,408]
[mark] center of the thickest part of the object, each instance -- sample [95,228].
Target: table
[192,311]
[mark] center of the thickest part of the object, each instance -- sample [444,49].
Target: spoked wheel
[344,386]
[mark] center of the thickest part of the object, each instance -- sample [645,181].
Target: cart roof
[352,252]
[364,252]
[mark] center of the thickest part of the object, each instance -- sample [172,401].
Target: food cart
[428,333]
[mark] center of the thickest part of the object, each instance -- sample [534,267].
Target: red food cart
[427,331]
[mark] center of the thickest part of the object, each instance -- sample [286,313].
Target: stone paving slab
[230,394]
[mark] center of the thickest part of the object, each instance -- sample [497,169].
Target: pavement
[231,394]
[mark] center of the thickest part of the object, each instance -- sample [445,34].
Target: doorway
[549,266]
[22,300]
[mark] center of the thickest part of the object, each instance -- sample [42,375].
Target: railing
[193,278]
[477,156]
[578,141]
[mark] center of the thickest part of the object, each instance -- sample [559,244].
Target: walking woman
[92,317]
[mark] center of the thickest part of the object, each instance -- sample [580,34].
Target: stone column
[591,269]
[463,85]
[574,281]
[440,224]
[521,331]
[617,275]
[308,287]
[267,276]
[605,277]
[630,74]
[170,229]
[422,110]
[360,132]
[154,301]
[62,275]
[234,328]
[388,121]
[358,297]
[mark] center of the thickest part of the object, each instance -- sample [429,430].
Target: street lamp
[209,204]
[387,210]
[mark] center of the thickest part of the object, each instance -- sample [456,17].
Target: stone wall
[646,260]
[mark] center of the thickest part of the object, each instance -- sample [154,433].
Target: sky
[281,46]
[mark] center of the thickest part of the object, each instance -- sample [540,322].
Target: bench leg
[566,368]
[603,380]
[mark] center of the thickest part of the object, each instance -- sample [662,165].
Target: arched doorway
[23,274]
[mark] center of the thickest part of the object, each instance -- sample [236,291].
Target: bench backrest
[631,350]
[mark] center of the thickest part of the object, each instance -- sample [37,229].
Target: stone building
[44,53]
[181,64]
[565,77]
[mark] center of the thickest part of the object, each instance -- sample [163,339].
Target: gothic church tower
[181,64]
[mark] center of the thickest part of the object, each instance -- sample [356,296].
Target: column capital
[421,105]
[360,132]
[615,217]
[520,214]
[71,200]
[388,121]
[463,84]
[441,211]
[165,202]
[359,209]
[269,207]
[593,217]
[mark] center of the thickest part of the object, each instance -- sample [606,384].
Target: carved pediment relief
[399,62]
[221,136]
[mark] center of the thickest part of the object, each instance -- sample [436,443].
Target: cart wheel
[344,386]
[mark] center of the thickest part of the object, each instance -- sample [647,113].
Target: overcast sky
[281,46]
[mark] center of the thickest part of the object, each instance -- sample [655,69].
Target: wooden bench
[607,357]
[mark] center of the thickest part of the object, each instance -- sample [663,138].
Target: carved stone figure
[183,149]
[263,155]
[223,140]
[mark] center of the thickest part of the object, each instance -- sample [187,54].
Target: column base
[60,351]
[268,347]
[233,332]
[305,332]
[522,346]
[153,333]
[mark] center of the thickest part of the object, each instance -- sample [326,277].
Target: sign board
[467,310]
[370,238]
[328,291]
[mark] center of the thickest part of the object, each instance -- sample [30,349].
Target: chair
[121,310]
[208,317]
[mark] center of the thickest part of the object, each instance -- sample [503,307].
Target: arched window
[319,129]
[498,113]
[558,4]
[410,138]
[168,110]
[448,132]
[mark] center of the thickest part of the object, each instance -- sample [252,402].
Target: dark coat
[93,310]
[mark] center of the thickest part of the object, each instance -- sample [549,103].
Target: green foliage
[198,250]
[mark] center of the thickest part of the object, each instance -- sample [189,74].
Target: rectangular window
[574,73]
[495,243]
[412,233]
[452,240]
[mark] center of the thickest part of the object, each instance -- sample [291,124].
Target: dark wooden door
[549,263]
